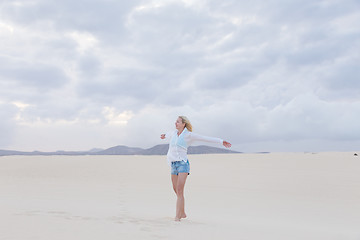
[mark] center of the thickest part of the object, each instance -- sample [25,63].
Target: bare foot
[179,218]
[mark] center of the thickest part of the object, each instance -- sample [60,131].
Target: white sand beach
[276,196]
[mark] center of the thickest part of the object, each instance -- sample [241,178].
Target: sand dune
[238,196]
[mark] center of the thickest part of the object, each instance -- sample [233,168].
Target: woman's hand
[162,136]
[226,144]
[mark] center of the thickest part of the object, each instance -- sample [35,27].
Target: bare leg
[174,180]
[180,203]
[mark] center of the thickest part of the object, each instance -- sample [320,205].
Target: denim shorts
[180,167]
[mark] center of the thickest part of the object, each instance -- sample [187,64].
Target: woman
[180,140]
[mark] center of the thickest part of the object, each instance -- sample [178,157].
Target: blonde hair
[187,123]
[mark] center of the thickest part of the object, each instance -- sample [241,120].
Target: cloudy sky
[265,75]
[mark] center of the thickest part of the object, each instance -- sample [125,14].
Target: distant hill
[38,153]
[123,150]
[208,150]
[161,149]
[93,150]
[119,150]
[9,152]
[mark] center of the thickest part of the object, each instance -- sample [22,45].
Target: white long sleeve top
[179,144]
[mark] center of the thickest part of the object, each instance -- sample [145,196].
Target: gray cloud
[7,126]
[266,73]
[34,76]
[92,16]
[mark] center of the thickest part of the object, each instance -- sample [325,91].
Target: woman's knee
[179,191]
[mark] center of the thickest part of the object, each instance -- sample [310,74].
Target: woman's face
[179,124]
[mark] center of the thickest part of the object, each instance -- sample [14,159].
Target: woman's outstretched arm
[167,135]
[198,137]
